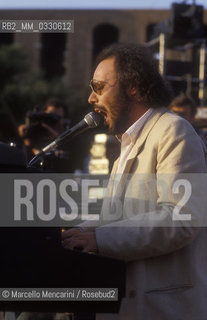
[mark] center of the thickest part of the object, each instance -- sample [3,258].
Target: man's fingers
[73,243]
[76,239]
[70,233]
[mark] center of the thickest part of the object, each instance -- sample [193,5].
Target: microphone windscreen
[93,119]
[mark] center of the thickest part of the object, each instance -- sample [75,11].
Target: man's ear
[132,91]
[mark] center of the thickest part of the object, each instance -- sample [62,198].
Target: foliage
[30,93]
[22,90]
[13,63]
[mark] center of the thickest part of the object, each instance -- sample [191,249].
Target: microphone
[91,120]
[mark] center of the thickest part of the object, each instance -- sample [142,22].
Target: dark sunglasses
[97,86]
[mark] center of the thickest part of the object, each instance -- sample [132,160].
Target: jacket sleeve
[172,224]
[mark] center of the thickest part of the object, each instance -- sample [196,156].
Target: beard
[118,113]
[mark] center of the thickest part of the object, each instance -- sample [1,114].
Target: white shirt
[128,141]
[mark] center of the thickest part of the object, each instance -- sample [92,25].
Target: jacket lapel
[154,117]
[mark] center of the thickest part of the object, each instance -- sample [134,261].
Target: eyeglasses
[97,86]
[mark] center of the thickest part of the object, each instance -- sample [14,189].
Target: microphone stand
[91,120]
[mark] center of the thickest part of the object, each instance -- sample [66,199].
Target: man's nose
[92,99]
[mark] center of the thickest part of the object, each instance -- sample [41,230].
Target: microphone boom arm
[91,120]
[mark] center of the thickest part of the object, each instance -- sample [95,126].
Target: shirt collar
[134,130]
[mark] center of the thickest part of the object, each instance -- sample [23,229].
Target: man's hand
[76,238]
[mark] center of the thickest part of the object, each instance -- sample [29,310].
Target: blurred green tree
[22,90]
[13,64]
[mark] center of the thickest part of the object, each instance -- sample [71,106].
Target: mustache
[97,108]
[101,110]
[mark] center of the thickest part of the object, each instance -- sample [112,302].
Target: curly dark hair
[136,67]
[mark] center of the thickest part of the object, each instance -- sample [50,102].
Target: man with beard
[158,236]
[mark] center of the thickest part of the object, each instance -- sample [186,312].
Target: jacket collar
[153,118]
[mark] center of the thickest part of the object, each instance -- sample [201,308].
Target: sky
[93,4]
